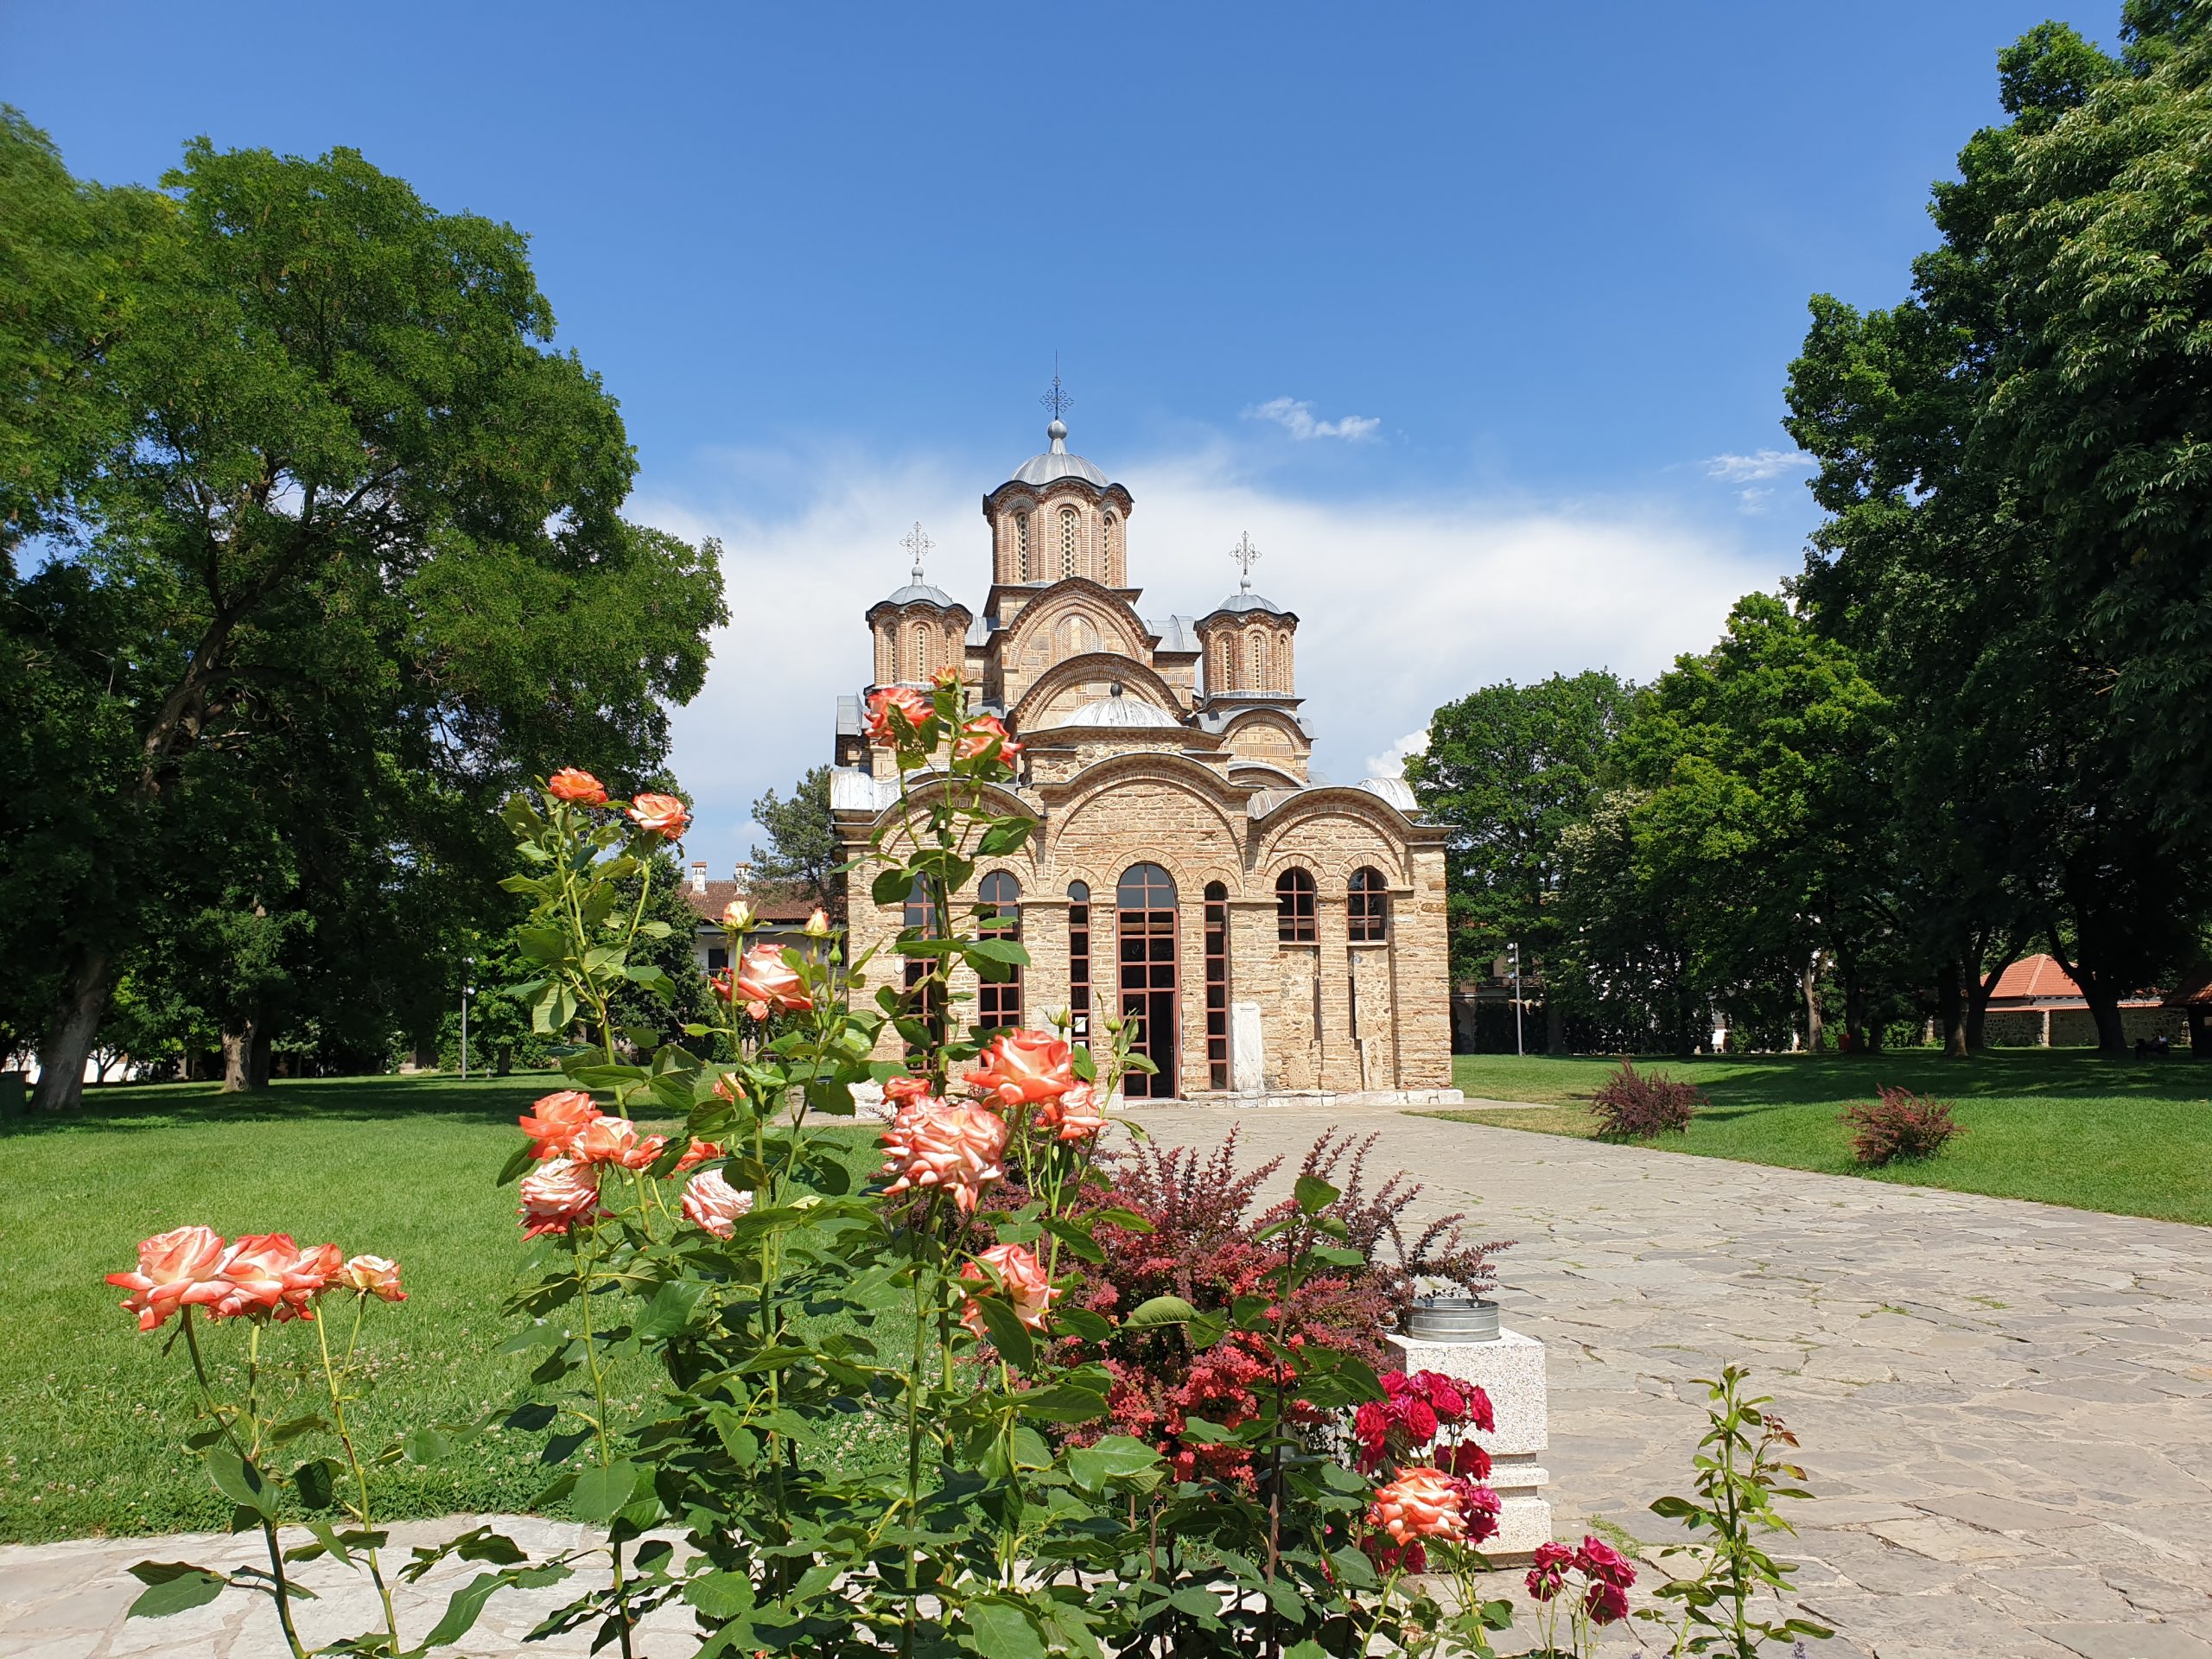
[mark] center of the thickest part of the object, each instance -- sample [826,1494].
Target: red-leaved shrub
[1633,1105]
[1205,1248]
[1900,1124]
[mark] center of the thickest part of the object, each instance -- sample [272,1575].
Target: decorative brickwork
[1175,743]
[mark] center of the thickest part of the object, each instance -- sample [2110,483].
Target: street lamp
[467,963]
[1514,952]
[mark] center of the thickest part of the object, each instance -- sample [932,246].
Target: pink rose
[955,1148]
[766,982]
[660,815]
[372,1275]
[1021,1279]
[178,1268]
[557,1122]
[558,1194]
[616,1141]
[577,787]
[712,1203]
[1420,1503]
[1024,1066]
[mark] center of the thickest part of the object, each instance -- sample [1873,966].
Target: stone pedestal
[1511,1372]
[1247,1060]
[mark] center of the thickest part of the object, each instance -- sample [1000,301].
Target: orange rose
[557,1195]
[712,1203]
[1420,1503]
[899,1091]
[577,787]
[616,1141]
[1024,1066]
[954,1148]
[556,1120]
[766,980]
[896,716]
[267,1273]
[662,815]
[979,733]
[372,1275]
[698,1152]
[178,1269]
[1075,1114]
[1021,1279]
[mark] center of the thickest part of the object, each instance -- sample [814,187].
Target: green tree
[670,946]
[803,854]
[1512,769]
[319,485]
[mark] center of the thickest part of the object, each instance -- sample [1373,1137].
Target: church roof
[1127,712]
[1177,633]
[923,592]
[1248,601]
[1057,462]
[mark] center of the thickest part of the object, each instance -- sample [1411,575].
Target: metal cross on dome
[917,545]
[1244,553]
[1057,400]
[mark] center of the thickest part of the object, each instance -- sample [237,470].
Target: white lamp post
[1514,951]
[466,964]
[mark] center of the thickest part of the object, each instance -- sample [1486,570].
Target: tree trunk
[68,1041]
[1808,985]
[1980,987]
[258,1059]
[245,1062]
[1951,1013]
[1554,1027]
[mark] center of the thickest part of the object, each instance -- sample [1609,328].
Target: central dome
[1123,711]
[1057,462]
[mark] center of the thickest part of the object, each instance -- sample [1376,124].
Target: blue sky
[1476,317]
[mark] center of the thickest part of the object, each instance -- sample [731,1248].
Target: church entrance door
[1150,980]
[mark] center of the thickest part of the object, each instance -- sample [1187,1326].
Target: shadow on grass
[174,1105]
[2009,1074]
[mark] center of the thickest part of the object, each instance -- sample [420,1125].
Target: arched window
[1070,532]
[1369,902]
[1217,985]
[1022,547]
[923,659]
[1079,960]
[1106,548]
[1224,664]
[1259,662]
[1294,907]
[998,1001]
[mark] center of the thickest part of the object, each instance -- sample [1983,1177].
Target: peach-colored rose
[662,815]
[267,1273]
[555,1122]
[818,923]
[616,1141]
[956,1148]
[1420,1503]
[949,675]
[1021,1278]
[738,917]
[372,1275]
[182,1268]
[765,981]
[577,787]
[712,1203]
[979,733]
[1075,1115]
[727,1087]
[896,714]
[899,1091]
[557,1195]
[1024,1066]
[698,1152]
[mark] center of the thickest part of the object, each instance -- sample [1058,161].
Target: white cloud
[1295,417]
[1391,763]
[1404,603]
[1765,463]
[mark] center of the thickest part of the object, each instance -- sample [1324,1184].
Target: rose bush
[956,1303]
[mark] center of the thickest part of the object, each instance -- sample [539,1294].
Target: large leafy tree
[2009,464]
[307,480]
[1512,769]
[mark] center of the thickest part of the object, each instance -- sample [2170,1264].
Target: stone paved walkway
[2005,1409]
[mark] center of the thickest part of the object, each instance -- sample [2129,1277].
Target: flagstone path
[2005,1409]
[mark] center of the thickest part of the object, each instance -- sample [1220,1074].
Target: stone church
[1272,931]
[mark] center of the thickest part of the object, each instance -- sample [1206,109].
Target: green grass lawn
[2060,1126]
[92,1413]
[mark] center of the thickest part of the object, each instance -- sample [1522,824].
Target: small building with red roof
[2037,1004]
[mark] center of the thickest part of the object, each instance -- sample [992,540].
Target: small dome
[1123,711]
[1396,790]
[922,593]
[1057,462]
[1250,601]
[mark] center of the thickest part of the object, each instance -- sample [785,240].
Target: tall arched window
[1259,655]
[1070,533]
[1368,900]
[998,1002]
[923,659]
[1021,546]
[1079,960]
[1224,664]
[1294,907]
[1106,548]
[1217,985]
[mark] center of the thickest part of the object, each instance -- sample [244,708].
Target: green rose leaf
[601,1492]
[173,1587]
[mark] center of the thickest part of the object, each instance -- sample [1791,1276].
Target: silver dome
[1057,462]
[921,591]
[1129,713]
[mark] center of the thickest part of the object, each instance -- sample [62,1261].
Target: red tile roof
[769,908]
[2037,977]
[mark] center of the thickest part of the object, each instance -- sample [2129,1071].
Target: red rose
[577,787]
[660,815]
[1469,1460]
[1548,1576]
[1608,1603]
[1601,1561]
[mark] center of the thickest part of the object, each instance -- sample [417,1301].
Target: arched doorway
[1150,982]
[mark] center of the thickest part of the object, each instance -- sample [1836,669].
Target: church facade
[1270,931]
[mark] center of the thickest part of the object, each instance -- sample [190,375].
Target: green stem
[606,1449]
[353,1461]
[280,1586]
